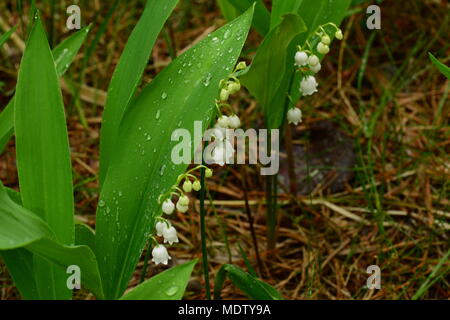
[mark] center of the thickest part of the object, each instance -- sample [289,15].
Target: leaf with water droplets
[184,105]
[168,285]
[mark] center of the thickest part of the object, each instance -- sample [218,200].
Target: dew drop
[101,203]
[164,96]
[172,291]
[158,114]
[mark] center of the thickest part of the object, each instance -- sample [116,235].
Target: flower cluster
[223,152]
[307,61]
[163,227]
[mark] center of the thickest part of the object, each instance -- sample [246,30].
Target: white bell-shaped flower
[223,122]
[308,86]
[181,207]
[222,153]
[339,34]
[160,227]
[160,255]
[301,58]
[323,48]
[294,116]
[313,60]
[316,68]
[168,207]
[234,122]
[170,235]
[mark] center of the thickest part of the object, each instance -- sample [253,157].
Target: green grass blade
[251,286]
[43,155]
[442,67]
[141,169]
[21,228]
[63,55]
[167,285]
[228,10]
[4,37]
[128,74]
[261,19]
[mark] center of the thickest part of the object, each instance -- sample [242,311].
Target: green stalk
[203,234]
[147,256]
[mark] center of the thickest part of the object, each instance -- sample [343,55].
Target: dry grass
[394,213]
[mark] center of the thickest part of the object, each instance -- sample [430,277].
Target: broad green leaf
[268,67]
[442,67]
[251,286]
[4,37]
[43,154]
[63,55]
[128,74]
[141,168]
[20,228]
[280,8]
[167,285]
[261,19]
[16,260]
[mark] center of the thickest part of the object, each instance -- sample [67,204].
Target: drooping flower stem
[203,234]
[250,218]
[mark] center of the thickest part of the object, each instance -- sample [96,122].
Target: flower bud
[323,48]
[208,173]
[184,200]
[313,60]
[241,65]
[339,34]
[187,186]
[182,208]
[196,185]
[326,40]
[234,87]
[316,68]
[224,95]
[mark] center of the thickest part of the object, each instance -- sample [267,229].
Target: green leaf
[168,285]
[268,68]
[20,228]
[63,55]
[4,37]
[20,266]
[141,168]
[261,19]
[128,73]
[280,8]
[84,235]
[252,287]
[43,154]
[228,10]
[442,67]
